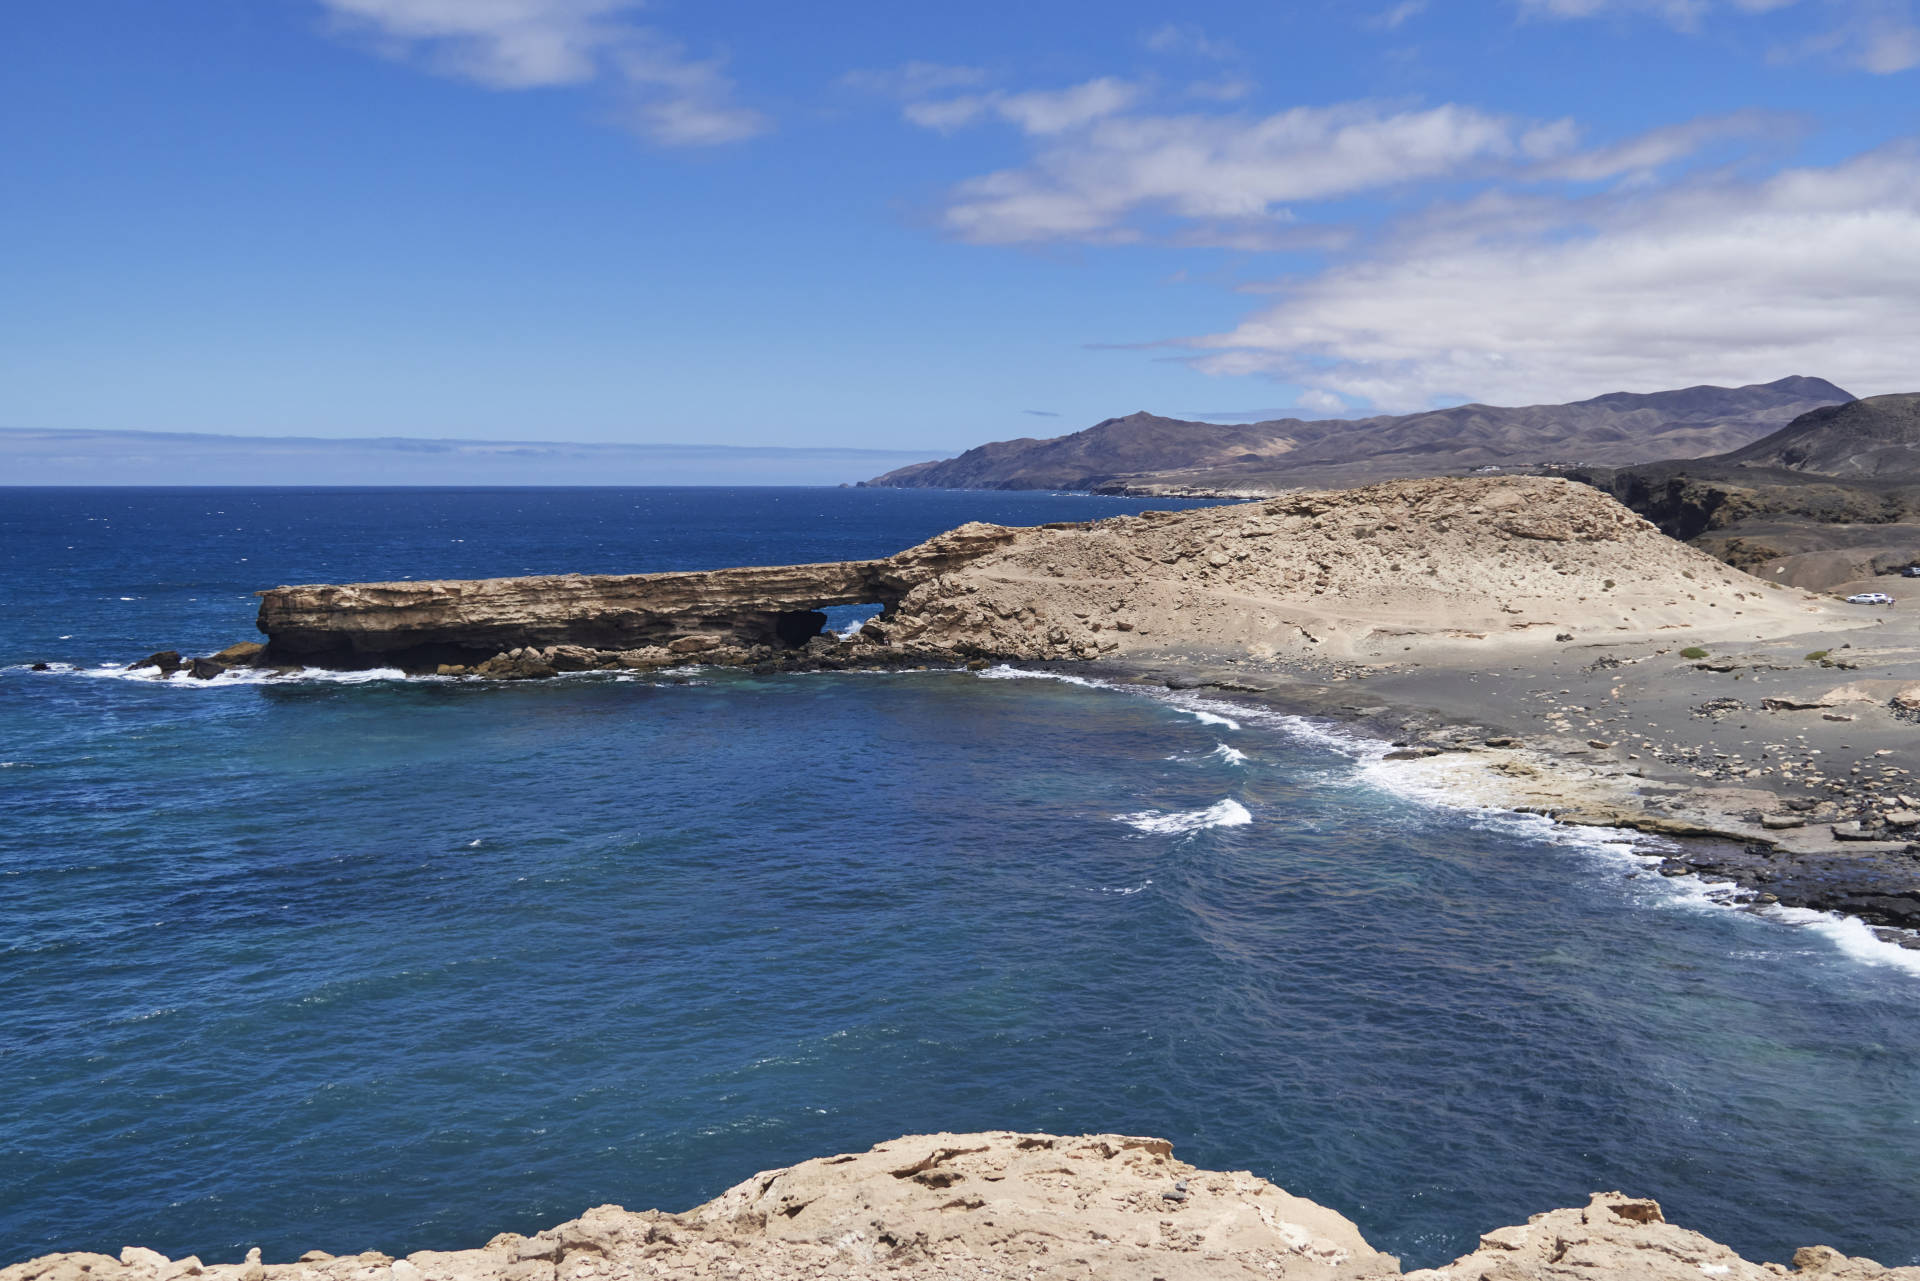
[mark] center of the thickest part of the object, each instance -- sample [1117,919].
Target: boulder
[242,654]
[166,662]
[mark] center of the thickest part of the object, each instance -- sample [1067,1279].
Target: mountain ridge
[1614,429]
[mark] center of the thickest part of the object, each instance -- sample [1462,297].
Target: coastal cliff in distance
[1006,1206]
[1147,453]
[1407,568]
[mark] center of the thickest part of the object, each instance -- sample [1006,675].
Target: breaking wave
[1226,813]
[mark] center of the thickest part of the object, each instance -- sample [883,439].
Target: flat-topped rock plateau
[1008,1205]
[1407,568]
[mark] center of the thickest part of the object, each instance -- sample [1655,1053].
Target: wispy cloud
[1039,112]
[1098,174]
[1719,280]
[1656,148]
[1394,18]
[663,94]
[1185,38]
[1041,413]
[914,80]
[1879,36]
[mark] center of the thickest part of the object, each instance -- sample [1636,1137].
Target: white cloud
[1393,19]
[1660,147]
[1184,38]
[1056,111]
[1094,182]
[668,97]
[1324,402]
[1880,36]
[914,79]
[1813,271]
[1039,112]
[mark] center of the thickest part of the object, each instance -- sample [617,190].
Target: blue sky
[924,226]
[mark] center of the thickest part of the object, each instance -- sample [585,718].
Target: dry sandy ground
[1751,728]
[1004,1205]
[1468,570]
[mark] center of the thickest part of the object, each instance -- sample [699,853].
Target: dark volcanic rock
[1881,888]
[1878,437]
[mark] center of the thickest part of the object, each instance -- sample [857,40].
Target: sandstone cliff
[1006,1205]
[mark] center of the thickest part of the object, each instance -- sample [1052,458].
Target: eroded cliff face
[1007,1205]
[1379,574]
[593,620]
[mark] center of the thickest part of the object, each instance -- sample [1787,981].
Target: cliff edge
[1003,1205]
[1400,570]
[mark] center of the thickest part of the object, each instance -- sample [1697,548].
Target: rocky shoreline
[1523,642]
[1003,1205]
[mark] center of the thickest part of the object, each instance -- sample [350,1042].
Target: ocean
[360,962]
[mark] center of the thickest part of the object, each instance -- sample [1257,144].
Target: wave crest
[1226,813]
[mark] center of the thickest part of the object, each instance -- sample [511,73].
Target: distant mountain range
[1877,438]
[1145,451]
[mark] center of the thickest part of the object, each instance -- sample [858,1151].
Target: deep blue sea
[395,964]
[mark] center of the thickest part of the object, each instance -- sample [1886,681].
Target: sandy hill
[1877,438]
[1611,430]
[1391,571]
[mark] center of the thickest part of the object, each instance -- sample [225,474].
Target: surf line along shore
[1526,642]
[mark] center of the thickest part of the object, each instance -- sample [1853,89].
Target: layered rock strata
[1371,574]
[1007,1205]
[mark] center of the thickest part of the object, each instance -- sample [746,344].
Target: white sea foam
[1226,813]
[1125,890]
[1458,786]
[1003,672]
[1854,937]
[249,676]
[1228,755]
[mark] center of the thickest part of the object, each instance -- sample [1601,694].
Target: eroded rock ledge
[1384,573]
[1009,1205]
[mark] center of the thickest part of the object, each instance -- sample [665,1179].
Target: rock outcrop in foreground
[1007,1205]
[1386,572]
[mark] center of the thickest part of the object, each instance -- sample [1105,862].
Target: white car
[1870,598]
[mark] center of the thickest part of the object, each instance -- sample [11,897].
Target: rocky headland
[1524,642]
[1420,568]
[1008,1205]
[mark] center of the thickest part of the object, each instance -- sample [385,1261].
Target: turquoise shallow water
[400,964]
